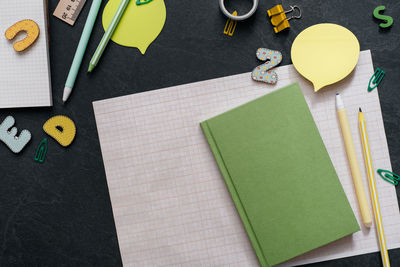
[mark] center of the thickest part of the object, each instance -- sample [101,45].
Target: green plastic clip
[375,79]
[389,176]
[41,151]
[140,2]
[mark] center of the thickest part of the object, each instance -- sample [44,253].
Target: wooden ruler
[68,10]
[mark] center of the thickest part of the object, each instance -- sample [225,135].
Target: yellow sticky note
[139,26]
[325,53]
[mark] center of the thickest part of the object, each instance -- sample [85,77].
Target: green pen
[107,35]
[80,51]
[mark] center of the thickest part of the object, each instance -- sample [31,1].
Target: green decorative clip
[140,2]
[389,176]
[41,151]
[375,79]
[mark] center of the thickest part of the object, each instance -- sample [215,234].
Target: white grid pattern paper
[170,204]
[24,76]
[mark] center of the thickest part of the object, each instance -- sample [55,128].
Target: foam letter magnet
[32,33]
[9,137]
[387,20]
[61,128]
[263,73]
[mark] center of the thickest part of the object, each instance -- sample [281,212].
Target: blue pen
[80,51]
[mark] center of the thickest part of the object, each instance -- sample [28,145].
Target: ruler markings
[68,10]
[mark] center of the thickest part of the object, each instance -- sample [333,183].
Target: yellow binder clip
[230,25]
[279,19]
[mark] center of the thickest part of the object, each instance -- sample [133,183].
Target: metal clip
[140,2]
[375,79]
[41,151]
[230,25]
[389,176]
[279,19]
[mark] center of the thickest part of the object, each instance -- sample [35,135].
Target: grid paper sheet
[24,76]
[170,204]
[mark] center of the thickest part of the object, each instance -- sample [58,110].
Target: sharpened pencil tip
[360,109]
[337,93]
[66,94]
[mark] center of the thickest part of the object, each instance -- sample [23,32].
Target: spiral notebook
[170,203]
[24,76]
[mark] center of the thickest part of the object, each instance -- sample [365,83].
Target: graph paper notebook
[170,203]
[280,176]
[24,76]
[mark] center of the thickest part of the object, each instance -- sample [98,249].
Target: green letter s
[388,19]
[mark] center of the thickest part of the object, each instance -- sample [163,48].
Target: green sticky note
[139,26]
[280,176]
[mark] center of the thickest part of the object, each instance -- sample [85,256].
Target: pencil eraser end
[368,224]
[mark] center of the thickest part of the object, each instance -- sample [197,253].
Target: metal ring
[242,17]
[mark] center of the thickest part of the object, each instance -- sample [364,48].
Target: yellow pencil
[353,162]
[372,187]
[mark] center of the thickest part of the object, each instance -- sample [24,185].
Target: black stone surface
[59,213]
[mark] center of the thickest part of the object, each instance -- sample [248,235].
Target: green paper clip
[139,2]
[389,176]
[41,151]
[375,79]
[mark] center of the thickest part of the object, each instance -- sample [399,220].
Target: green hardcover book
[280,176]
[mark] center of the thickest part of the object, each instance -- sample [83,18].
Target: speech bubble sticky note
[139,26]
[325,53]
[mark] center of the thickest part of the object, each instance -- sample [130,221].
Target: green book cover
[280,176]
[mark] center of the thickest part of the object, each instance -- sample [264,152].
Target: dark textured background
[59,213]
